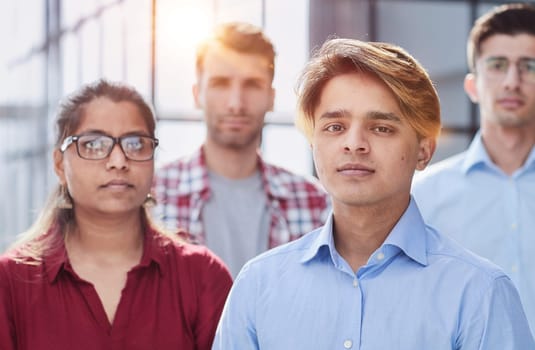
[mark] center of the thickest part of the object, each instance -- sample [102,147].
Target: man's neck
[508,148]
[359,231]
[231,163]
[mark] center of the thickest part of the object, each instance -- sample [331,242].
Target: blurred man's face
[504,82]
[234,91]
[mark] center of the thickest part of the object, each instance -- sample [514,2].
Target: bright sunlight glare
[183,24]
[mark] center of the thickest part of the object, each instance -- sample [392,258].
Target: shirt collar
[275,183]
[154,249]
[476,155]
[530,161]
[193,174]
[57,260]
[324,239]
[408,235]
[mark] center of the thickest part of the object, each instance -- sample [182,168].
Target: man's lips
[235,122]
[355,169]
[510,102]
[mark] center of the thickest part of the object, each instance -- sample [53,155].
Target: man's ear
[426,150]
[58,166]
[470,87]
[195,92]
[272,102]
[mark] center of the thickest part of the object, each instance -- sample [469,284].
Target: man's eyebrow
[377,115]
[218,78]
[336,114]
[371,115]
[492,58]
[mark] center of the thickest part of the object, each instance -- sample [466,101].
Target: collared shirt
[297,204]
[171,300]
[419,290]
[489,212]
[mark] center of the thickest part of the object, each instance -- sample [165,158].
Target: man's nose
[356,140]
[235,101]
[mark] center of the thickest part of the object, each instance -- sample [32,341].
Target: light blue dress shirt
[470,199]
[418,291]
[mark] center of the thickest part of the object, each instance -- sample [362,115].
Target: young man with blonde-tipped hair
[374,276]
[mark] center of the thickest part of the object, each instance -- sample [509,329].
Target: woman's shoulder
[188,255]
[195,253]
[16,267]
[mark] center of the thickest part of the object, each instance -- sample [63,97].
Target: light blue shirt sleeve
[236,329]
[498,323]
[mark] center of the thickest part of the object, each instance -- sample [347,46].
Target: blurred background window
[51,47]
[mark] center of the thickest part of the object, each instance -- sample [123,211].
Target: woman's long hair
[54,221]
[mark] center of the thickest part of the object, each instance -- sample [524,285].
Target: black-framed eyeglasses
[138,148]
[497,68]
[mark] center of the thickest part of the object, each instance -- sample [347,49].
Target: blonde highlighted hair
[397,69]
[238,36]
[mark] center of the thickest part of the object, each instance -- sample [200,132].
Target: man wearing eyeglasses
[485,196]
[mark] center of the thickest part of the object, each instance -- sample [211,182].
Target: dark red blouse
[172,300]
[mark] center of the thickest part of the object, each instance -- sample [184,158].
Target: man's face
[364,149]
[504,82]
[234,91]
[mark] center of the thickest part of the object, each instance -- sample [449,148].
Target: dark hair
[241,37]
[396,68]
[34,243]
[72,108]
[508,19]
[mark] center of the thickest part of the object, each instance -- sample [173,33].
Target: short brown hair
[509,19]
[397,69]
[239,36]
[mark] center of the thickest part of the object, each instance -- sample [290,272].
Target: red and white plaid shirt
[297,204]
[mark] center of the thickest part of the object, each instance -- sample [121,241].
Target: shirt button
[348,344]
[380,256]
[355,283]
[514,268]
[513,226]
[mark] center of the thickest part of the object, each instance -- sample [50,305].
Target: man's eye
[334,128]
[529,66]
[382,129]
[498,65]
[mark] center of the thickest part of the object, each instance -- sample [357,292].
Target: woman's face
[115,184]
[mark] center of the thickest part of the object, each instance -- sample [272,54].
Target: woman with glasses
[94,272]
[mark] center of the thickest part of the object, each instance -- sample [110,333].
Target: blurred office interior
[51,47]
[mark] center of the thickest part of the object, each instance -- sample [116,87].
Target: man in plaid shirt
[224,195]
